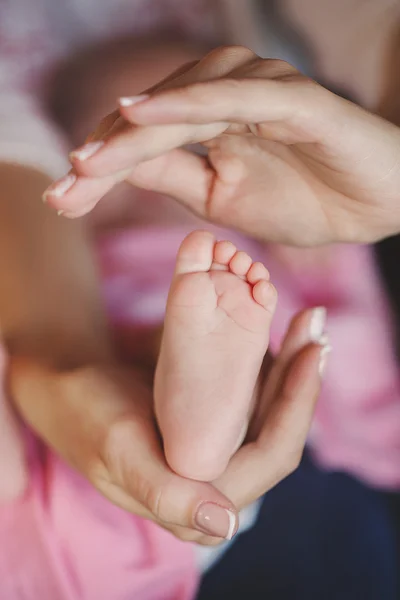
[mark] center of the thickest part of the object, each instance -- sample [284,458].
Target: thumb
[135,474]
[181,174]
[100,420]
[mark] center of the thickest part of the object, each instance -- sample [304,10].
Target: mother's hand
[288,161]
[102,422]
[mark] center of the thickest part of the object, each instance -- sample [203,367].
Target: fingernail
[317,323]
[87,150]
[323,356]
[60,212]
[60,187]
[126,101]
[215,520]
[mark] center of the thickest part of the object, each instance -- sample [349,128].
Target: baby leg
[216,334]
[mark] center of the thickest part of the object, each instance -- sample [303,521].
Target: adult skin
[68,383]
[288,161]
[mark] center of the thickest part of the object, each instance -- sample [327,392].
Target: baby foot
[216,333]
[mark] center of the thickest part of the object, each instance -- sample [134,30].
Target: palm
[307,191]
[249,171]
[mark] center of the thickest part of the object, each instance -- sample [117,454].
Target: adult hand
[102,422]
[288,161]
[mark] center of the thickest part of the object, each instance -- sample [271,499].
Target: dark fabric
[387,255]
[319,536]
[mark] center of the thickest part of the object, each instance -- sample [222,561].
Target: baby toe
[240,263]
[224,252]
[264,293]
[195,253]
[257,272]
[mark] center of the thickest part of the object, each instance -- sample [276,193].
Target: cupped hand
[101,420]
[288,161]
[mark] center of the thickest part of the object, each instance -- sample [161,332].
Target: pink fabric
[63,541]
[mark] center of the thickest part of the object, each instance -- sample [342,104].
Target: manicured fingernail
[324,353]
[317,323]
[60,212]
[87,150]
[60,187]
[215,520]
[126,101]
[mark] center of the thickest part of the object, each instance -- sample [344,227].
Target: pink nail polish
[126,101]
[60,187]
[216,520]
[87,150]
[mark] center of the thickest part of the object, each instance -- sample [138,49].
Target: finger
[133,145]
[293,101]
[183,175]
[183,74]
[104,427]
[134,461]
[217,63]
[259,466]
[114,118]
[285,111]
[74,196]
[108,122]
[266,68]
[179,173]
[104,126]
[306,327]
[168,81]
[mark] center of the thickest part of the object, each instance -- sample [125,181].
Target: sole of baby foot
[216,333]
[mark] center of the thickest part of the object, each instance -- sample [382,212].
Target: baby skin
[216,334]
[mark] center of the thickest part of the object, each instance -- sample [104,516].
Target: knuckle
[124,472]
[306,84]
[185,535]
[150,496]
[234,51]
[209,541]
[273,68]
[282,66]
[116,439]
[304,89]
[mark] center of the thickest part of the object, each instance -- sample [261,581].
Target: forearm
[49,301]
